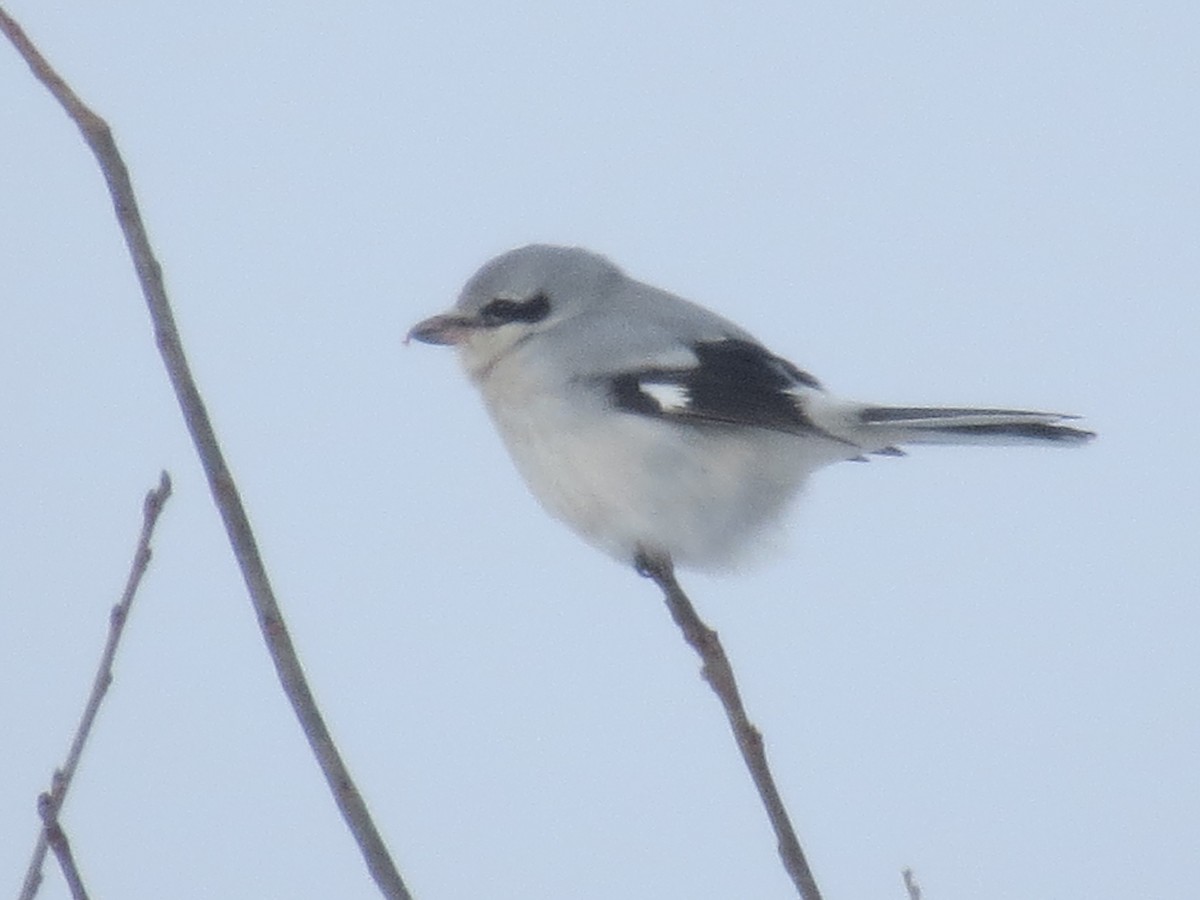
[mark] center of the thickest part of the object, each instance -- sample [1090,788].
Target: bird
[658,430]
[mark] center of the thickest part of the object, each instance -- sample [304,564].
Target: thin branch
[98,136]
[910,885]
[51,802]
[57,839]
[719,674]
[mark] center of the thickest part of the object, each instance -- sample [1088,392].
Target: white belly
[626,482]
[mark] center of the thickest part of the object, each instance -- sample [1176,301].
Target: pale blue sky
[979,663]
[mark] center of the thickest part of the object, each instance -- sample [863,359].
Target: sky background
[980,663]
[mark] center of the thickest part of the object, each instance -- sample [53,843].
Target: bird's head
[515,297]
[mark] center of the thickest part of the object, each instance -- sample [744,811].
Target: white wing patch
[670,397]
[801,394]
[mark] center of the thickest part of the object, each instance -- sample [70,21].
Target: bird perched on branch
[659,430]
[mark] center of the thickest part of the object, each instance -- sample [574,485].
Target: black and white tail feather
[967,425]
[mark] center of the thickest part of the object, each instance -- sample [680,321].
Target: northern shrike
[657,429]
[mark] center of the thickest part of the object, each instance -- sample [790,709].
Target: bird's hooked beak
[447,328]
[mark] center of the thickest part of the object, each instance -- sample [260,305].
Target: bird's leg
[655,566]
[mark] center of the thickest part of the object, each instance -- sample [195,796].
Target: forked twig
[98,136]
[719,674]
[57,839]
[51,802]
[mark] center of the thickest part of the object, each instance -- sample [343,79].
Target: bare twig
[98,136]
[910,885]
[719,674]
[51,802]
[57,839]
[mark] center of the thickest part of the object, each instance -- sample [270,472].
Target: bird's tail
[882,427]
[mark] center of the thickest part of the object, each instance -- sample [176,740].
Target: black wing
[735,382]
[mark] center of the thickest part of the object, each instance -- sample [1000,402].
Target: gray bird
[657,429]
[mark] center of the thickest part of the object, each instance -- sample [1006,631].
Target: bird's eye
[503,310]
